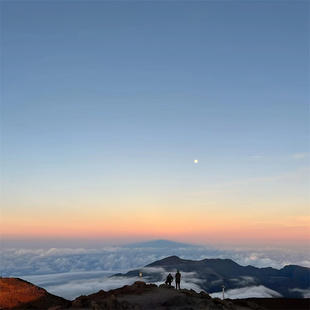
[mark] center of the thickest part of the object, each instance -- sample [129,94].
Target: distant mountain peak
[171,260]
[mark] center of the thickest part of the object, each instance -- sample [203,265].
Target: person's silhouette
[177,280]
[169,279]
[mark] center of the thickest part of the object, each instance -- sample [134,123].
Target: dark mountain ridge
[290,281]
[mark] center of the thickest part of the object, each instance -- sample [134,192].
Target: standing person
[177,280]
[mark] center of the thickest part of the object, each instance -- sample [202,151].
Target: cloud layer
[21,262]
[70,272]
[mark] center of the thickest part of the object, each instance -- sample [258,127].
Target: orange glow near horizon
[199,227]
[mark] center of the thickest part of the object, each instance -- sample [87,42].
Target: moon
[196,161]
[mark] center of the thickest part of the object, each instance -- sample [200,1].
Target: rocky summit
[150,296]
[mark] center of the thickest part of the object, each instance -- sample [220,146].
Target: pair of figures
[177,279]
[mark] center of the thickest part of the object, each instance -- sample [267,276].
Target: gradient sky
[106,104]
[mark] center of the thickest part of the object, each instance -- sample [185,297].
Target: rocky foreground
[18,294]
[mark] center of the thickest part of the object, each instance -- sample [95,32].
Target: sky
[105,105]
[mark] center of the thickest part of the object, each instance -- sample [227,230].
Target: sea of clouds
[71,272]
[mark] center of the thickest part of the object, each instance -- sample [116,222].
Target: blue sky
[108,102]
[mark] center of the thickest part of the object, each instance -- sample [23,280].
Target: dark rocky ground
[18,294]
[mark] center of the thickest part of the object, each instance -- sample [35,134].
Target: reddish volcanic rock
[16,293]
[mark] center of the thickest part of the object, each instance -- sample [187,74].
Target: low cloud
[248,292]
[72,289]
[244,281]
[62,278]
[304,293]
[159,270]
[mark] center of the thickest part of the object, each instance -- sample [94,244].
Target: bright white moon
[196,161]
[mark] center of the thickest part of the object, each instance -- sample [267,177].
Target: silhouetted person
[177,280]
[169,279]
